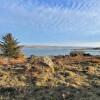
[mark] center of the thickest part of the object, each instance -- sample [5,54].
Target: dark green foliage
[9,46]
[77,53]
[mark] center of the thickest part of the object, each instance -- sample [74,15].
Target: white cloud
[81,18]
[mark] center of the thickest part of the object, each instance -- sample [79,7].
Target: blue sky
[52,22]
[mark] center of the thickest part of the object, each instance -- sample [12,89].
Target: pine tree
[9,46]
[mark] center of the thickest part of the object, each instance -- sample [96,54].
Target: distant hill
[46,46]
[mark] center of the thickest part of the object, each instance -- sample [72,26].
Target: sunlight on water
[55,51]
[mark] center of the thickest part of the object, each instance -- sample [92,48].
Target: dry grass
[50,78]
[12,61]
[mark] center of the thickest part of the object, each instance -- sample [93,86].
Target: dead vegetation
[51,78]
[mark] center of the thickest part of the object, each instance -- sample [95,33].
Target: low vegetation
[78,53]
[51,78]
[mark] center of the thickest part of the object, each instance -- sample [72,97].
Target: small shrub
[77,53]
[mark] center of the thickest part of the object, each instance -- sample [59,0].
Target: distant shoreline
[46,46]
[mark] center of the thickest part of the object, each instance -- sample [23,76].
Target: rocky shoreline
[50,78]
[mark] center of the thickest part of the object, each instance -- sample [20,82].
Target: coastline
[44,46]
[56,51]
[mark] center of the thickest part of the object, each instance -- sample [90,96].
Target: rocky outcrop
[41,69]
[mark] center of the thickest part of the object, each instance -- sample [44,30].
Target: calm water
[54,51]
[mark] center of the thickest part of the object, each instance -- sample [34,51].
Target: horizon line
[60,46]
[68,44]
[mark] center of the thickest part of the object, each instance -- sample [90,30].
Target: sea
[55,51]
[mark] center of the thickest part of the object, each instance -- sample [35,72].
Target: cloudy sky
[52,22]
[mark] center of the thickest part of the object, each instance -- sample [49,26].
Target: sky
[52,22]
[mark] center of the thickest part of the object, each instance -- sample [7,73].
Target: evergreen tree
[9,46]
